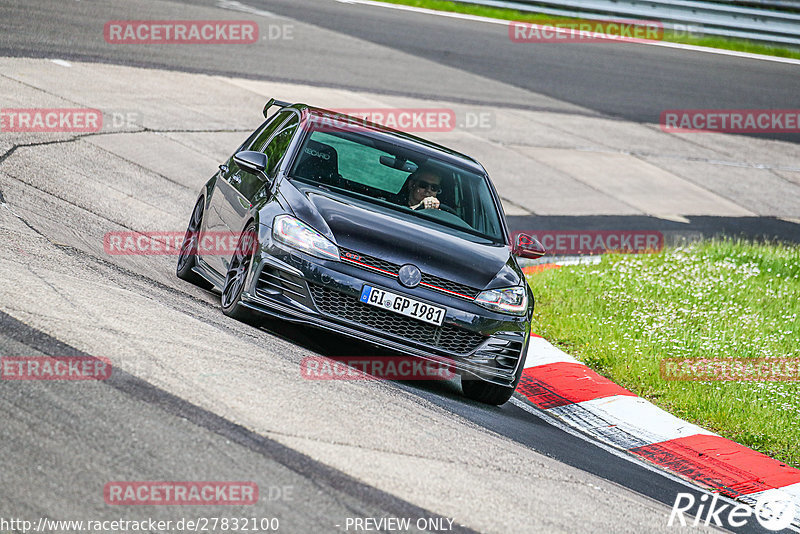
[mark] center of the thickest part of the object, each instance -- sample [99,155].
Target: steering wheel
[443,207]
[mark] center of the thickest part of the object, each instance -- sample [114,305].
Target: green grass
[739,45]
[714,299]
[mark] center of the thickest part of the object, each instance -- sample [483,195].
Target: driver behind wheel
[424,185]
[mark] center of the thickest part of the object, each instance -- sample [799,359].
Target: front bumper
[290,285]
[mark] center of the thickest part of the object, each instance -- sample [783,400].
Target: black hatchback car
[374,234]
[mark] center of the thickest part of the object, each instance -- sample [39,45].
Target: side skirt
[209,274]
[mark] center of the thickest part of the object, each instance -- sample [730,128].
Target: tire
[187,257]
[482,391]
[236,277]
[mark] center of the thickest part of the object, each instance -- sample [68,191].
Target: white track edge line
[660,426]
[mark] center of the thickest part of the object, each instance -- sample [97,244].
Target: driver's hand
[430,203]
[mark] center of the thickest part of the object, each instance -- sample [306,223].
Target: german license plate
[402,305]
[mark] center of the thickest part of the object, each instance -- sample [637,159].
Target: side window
[278,145]
[263,136]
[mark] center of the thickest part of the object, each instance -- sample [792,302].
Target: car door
[226,200]
[243,186]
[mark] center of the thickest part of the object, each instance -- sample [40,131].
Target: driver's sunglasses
[435,188]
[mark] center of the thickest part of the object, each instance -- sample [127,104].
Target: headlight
[299,235]
[512,300]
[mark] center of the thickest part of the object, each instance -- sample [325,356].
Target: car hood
[353,226]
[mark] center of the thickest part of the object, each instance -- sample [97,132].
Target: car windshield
[394,177]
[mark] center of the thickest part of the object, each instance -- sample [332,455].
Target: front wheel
[236,278]
[481,391]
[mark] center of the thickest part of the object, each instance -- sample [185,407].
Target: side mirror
[526,246]
[255,162]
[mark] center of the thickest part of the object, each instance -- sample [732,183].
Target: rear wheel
[187,257]
[236,278]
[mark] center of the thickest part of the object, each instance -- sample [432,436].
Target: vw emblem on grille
[409,275]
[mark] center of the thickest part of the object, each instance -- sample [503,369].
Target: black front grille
[388,268]
[371,261]
[450,286]
[448,338]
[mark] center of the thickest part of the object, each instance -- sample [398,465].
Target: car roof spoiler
[272,102]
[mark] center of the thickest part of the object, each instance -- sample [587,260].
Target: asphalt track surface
[161,418]
[59,441]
